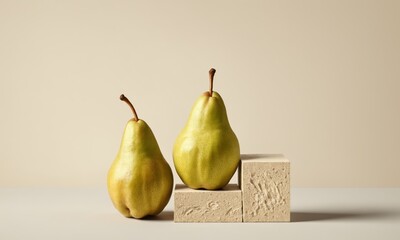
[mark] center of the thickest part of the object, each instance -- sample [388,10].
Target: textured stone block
[265,183]
[223,205]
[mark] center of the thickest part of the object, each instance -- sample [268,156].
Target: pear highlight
[140,180]
[206,153]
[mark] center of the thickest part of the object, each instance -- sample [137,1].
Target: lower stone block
[265,184]
[223,205]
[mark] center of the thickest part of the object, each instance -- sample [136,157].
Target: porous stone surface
[265,183]
[223,205]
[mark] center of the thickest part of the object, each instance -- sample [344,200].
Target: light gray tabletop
[87,213]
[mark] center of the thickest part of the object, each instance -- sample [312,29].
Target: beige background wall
[316,80]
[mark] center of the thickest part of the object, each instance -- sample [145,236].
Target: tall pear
[206,152]
[139,180]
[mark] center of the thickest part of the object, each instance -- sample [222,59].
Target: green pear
[139,180]
[206,152]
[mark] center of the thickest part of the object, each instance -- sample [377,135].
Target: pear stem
[125,99]
[211,73]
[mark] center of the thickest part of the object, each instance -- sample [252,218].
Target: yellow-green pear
[139,180]
[206,152]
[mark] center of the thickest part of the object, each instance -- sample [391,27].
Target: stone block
[265,183]
[223,205]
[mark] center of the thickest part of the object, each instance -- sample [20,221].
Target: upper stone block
[265,183]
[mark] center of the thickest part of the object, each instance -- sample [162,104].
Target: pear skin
[140,180]
[206,153]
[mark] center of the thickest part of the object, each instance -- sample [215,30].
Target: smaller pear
[140,180]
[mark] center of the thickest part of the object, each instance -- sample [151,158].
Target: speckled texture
[223,205]
[265,184]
